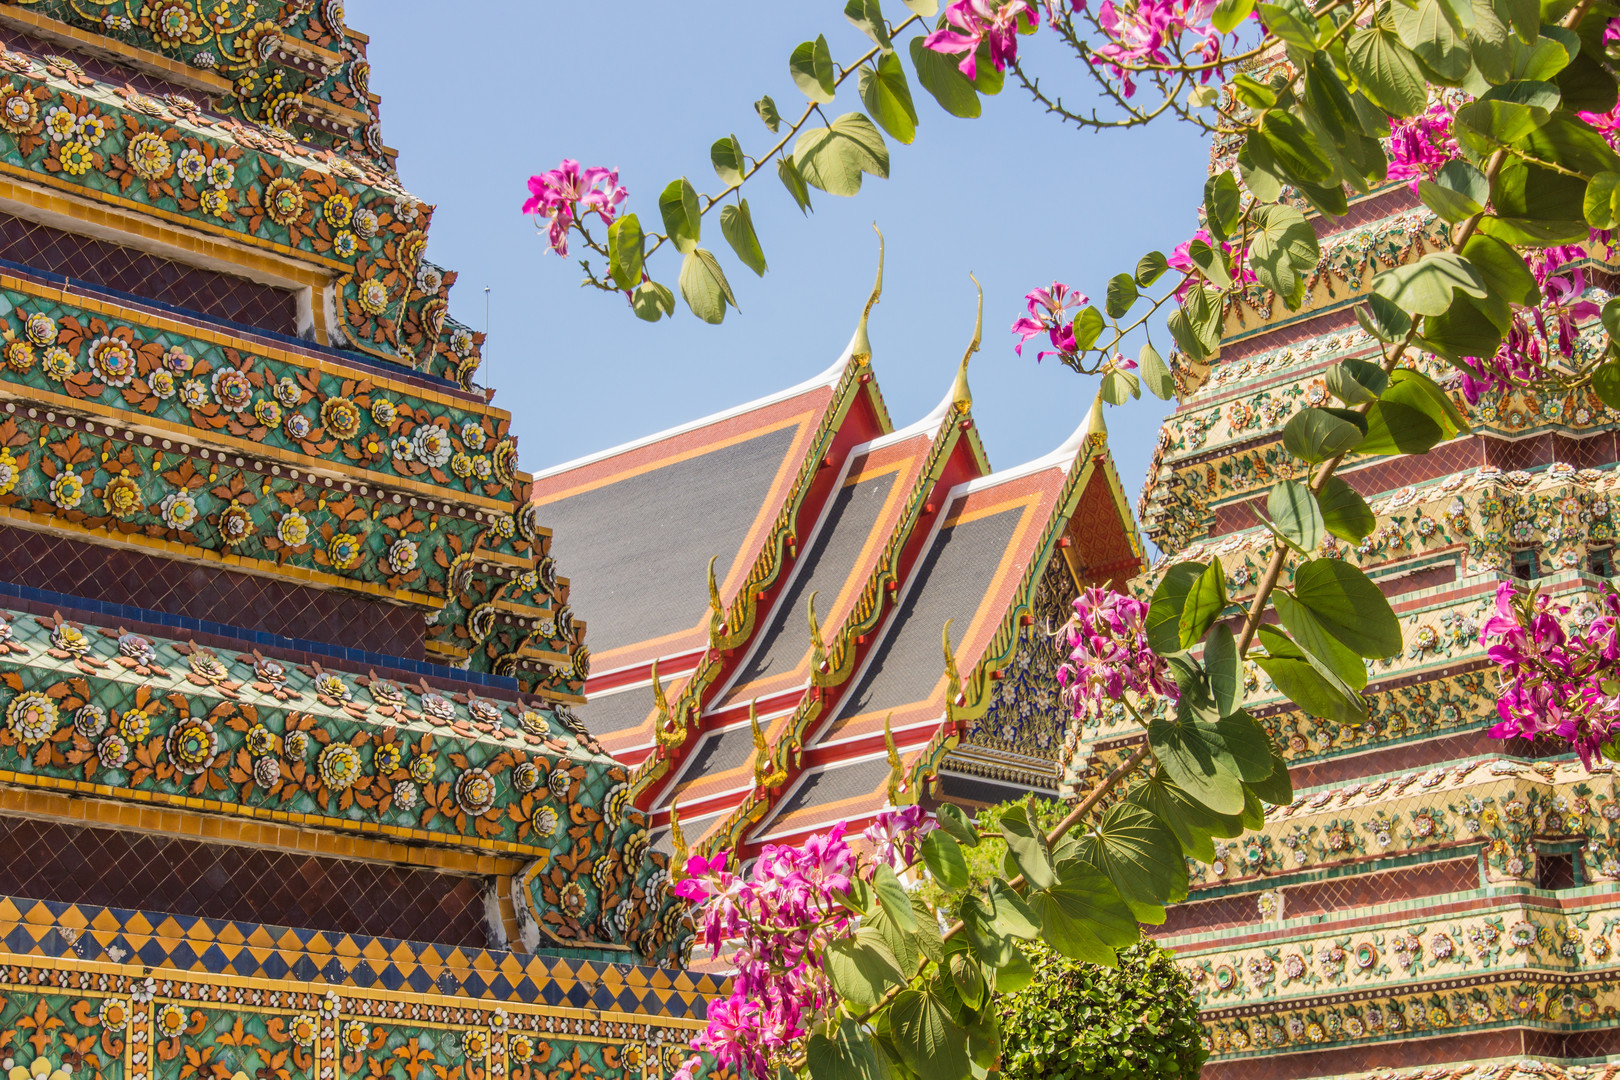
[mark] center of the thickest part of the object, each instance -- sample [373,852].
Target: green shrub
[1080,1021]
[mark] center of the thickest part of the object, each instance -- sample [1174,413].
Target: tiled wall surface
[45,860]
[1415,1053]
[223,296]
[126,575]
[1328,895]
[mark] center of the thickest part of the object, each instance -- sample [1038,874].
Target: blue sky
[479,96]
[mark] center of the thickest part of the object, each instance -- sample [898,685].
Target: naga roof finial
[861,350]
[897,774]
[660,701]
[766,772]
[669,728]
[953,678]
[753,724]
[678,841]
[717,610]
[961,396]
[818,647]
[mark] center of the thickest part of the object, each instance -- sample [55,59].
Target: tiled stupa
[289,784]
[1435,902]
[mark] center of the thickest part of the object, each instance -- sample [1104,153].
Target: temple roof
[976,576]
[866,519]
[767,707]
[642,521]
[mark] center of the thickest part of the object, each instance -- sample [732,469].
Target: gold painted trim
[141,223]
[336,113]
[557,695]
[517,561]
[171,814]
[444,648]
[308,50]
[556,659]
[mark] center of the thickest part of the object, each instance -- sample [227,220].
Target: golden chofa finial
[678,840]
[897,772]
[753,725]
[1096,427]
[961,396]
[669,729]
[861,351]
[717,610]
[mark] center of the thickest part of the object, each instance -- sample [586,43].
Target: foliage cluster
[1079,1021]
[1503,114]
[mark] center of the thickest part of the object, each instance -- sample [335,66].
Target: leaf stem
[813,108]
[1078,814]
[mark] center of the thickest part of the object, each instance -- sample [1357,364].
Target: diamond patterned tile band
[199,948]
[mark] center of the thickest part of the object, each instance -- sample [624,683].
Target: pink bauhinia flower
[771,925]
[1140,32]
[1537,337]
[896,833]
[566,193]
[1418,145]
[1181,259]
[1049,314]
[994,23]
[1556,680]
[1054,7]
[1109,655]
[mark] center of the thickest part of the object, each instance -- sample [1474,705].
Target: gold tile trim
[259,827]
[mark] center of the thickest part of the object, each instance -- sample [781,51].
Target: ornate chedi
[878,600]
[289,784]
[1435,902]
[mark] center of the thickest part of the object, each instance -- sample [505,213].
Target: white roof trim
[827,378]
[1063,458]
[928,427]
